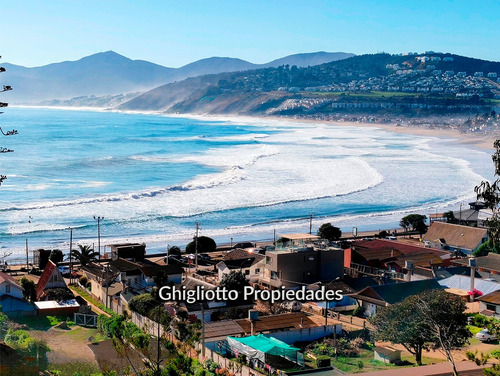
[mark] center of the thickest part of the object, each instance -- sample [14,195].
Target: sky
[174,33]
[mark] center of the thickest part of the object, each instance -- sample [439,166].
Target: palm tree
[85,254]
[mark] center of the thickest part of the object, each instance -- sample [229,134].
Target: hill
[414,83]
[109,73]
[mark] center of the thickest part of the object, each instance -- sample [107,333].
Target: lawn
[42,322]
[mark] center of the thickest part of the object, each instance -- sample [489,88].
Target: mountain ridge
[109,73]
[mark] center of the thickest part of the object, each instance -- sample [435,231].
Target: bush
[323,361]
[143,304]
[205,244]
[83,280]
[359,311]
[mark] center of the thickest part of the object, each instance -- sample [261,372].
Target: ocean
[153,177]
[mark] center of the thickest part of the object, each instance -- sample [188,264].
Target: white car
[485,336]
[64,270]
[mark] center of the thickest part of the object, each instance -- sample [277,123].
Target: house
[12,302]
[299,259]
[249,263]
[373,298]
[460,285]
[455,238]
[489,304]
[51,278]
[128,251]
[476,215]
[488,266]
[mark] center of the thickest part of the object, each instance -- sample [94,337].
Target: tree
[329,232]
[56,256]
[445,317]
[433,319]
[450,217]
[205,244]
[235,280]
[174,250]
[85,254]
[413,221]
[401,323]
[8,133]
[29,289]
[490,194]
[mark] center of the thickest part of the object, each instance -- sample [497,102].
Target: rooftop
[278,322]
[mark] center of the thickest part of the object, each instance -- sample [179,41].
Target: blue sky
[175,33]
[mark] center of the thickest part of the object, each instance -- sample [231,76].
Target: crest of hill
[109,73]
[254,91]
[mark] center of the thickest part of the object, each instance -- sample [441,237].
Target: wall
[305,334]
[15,290]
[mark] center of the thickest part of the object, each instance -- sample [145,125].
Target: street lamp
[99,219]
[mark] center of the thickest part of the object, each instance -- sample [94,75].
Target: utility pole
[196,246]
[27,257]
[70,255]
[99,219]
[202,330]
[310,223]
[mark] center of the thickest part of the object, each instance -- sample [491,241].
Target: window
[7,289]
[269,260]
[247,272]
[491,307]
[274,275]
[257,271]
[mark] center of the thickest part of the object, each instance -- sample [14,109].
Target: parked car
[204,256]
[65,270]
[485,336]
[243,245]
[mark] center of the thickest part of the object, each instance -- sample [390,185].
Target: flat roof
[51,304]
[299,236]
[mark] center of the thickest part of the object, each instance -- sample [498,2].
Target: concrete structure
[301,259]
[387,354]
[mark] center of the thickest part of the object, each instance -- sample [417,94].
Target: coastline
[480,141]
[452,137]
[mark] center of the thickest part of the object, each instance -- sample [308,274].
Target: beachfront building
[301,259]
[455,238]
[249,262]
[12,302]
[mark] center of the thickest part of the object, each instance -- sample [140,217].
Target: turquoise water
[152,177]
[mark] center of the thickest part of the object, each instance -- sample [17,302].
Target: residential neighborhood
[372,273]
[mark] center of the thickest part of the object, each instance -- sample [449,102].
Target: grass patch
[89,298]
[69,369]
[474,329]
[42,322]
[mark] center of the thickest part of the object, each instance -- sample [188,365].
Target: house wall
[484,305]
[15,290]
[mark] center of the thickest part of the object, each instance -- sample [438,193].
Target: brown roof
[238,254]
[490,262]
[382,249]
[222,329]
[278,322]
[492,297]
[456,235]
[4,277]
[45,277]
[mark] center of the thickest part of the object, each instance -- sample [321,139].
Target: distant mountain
[109,73]
[308,59]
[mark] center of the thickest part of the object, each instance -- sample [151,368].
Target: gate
[84,319]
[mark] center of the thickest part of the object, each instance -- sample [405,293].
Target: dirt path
[67,345]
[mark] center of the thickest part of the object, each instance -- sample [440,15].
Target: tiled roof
[455,235]
[238,254]
[396,292]
[489,262]
[4,277]
[382,249]
[492,297]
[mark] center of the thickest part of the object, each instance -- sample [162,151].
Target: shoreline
[481,141]
[471,141]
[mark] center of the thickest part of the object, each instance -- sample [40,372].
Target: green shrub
[83,280]
[323,361]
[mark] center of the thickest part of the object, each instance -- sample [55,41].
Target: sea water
[153,177]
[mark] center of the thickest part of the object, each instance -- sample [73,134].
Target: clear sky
[175,33]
